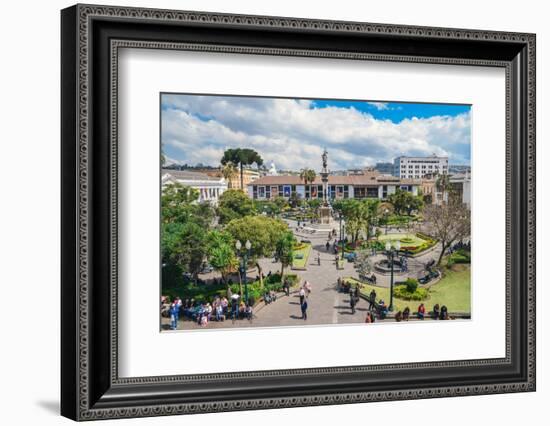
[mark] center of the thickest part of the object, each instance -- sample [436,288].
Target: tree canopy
[241,157]
[234,204]
[262,232]
[359,215]
[404,201]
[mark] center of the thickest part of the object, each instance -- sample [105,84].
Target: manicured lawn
[301,256]
[453,290]
[410,240]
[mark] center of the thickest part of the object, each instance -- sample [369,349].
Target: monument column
[325,216]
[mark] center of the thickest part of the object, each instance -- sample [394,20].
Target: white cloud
[197,129]
[380,106]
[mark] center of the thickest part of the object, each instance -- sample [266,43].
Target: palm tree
[308,176]
[229,171]
[443,184]
[242,157]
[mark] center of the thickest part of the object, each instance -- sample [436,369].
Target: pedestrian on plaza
[356,292]
[352,302]
[327,245]
[248,312]
[174,316]
[307,287]
[303,307]
[302,294]
[369,318]
[319,259]
[286,287]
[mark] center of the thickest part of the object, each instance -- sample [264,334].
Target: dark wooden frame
[91,388]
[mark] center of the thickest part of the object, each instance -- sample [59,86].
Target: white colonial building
[461,184]
[210,187]
[417,167]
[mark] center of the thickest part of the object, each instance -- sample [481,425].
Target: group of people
[204,312]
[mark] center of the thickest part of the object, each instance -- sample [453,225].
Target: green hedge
[459,256]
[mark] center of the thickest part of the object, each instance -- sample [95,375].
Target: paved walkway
[325,304]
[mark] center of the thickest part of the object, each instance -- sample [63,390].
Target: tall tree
[241,157]
[263,233]
[308,176]
[285,250]
[448,223]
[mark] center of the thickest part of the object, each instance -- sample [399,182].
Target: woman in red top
[421,311]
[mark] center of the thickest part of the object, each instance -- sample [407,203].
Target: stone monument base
[325,218]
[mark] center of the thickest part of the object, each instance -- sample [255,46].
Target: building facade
[210,188]
[417,167]
[249,176]
[368,185]
[461,187]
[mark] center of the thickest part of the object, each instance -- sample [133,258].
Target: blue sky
[397,111]
[292,133]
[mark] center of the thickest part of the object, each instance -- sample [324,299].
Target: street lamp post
[340,216]
[386,211]
[244,263]
[392,252]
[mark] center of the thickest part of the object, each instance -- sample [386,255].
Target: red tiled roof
[356,180]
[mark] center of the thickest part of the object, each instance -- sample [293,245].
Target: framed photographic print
[263,212]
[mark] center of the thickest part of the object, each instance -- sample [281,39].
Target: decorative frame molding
[91,37]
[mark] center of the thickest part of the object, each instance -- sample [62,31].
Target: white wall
[29,225]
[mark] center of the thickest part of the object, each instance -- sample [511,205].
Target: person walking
[307,288]
[303,306]
[327,245]
[372,299]
[352,302]
[286,287]
[174,316]
[302,294]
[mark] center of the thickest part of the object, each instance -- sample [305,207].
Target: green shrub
[402,292]
[411,285]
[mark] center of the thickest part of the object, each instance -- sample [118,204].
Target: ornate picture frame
[90,39]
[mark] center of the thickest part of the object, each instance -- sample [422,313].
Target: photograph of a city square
[295,212]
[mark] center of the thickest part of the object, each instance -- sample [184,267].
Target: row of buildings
[417,175]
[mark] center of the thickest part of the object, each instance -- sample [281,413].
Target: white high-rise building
[418,167]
